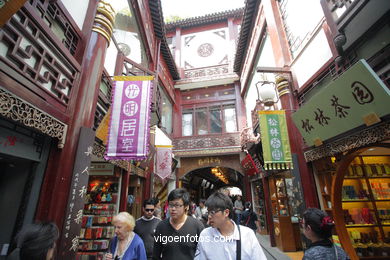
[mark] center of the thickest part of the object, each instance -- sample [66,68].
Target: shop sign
[357,97]
[9,8]
[209,160]
[249,165]
[78,189]
[163,161]
[101,169]
[128,137]
[275,140]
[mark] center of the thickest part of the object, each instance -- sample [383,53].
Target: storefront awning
[356,98]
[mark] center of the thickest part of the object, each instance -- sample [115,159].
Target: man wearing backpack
[248,217]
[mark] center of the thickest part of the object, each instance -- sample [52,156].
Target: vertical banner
[274,140]
[71,231]
[249,165]
[128,135]
[164,161]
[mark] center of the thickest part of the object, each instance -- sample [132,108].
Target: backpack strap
[238,242]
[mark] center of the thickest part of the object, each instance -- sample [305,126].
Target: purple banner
[128,136]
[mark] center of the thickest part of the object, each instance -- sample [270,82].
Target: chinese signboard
[356,97]
[78,189]
[163,161]
[249,165]
[274,140]
[128,137]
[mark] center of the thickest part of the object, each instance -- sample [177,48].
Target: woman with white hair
[126,245]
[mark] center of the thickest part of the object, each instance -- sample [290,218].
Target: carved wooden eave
[365,137]
[18,110]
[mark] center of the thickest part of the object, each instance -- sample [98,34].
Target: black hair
[34,241]
[218,200]
[154,201]
[180,194]
[319,222]
[148,202]
[248,205]
[202,201]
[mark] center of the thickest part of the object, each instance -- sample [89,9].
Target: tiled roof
[159,30]
[206,19]
[250,12]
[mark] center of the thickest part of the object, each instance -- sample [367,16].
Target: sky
[192,8]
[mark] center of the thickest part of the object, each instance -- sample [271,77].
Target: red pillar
[58,177]
[289,104]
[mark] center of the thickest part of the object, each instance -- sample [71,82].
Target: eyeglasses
[213,212]
[149,210]
[171,206]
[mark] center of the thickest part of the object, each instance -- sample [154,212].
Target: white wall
[218,40]
[77,10]
[312,58]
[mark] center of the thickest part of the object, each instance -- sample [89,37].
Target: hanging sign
[128,136]
[355,98]
[274,140]
[249,165]
[164,161]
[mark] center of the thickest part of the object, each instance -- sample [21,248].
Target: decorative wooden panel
[27,49]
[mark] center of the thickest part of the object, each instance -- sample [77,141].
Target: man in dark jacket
[146,225]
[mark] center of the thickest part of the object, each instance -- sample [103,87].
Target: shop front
[23,158]
[348,126]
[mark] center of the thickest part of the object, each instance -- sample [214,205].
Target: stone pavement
[275,253]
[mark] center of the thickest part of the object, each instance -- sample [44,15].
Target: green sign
[357,97]
[274,140]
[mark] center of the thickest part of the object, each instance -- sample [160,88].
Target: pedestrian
[36,242]
[192,210]
[224,239]
[146,225]
[176,237]
[157,208]
[248,217]
[126,245]
[238,208]
[317,227]
[201,209]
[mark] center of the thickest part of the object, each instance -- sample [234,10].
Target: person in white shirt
[221,240]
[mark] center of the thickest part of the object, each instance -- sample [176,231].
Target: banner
[249,165]
[128,135]
[164,161]
[274,140]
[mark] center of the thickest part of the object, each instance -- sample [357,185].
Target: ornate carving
[28,51]
[207,144]
[362,138]
[20,111]
[99,151]
[206,152]
[104,20]
[205,50]
[206,72]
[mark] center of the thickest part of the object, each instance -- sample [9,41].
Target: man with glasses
[146,225]
[176,237]
[224,239]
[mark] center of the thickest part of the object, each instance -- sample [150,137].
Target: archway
[202,182]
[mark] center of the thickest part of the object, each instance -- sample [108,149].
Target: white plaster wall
[312,58]
[77,10]
[266,59]
[109,61]
[221,48]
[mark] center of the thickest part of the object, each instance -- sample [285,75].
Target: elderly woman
[126,245]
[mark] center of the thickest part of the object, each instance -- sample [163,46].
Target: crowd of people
[215,229]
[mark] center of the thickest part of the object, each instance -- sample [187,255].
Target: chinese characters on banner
[355,98]
[128,136]
[274,140]
[163,161]
[78,189]
[249,165]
